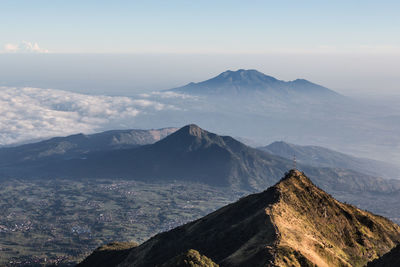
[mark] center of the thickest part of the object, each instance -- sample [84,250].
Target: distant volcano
[252,81]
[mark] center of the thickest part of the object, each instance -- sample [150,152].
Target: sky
[81,66]
[350,46]
[201,26]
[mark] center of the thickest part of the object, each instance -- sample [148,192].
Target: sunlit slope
[293,223]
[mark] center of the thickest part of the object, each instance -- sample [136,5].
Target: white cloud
[169,94]
[11,48]
[24,47]
[32,113]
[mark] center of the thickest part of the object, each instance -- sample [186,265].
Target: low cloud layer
[169,94]
[24,47]
[33,113]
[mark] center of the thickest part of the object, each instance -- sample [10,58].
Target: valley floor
[62,221]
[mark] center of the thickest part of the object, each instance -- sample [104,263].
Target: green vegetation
[110,254]
[117,246]
[192,258]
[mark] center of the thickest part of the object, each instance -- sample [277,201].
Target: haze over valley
[268,110]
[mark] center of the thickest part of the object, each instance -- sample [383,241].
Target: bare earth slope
[293,223]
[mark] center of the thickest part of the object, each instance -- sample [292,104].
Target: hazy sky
[128,74]
[350,46]
[201,26]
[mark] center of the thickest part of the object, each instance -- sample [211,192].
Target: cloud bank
[169,94]
[24,47]
[33,113]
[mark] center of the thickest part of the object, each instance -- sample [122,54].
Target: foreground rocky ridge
[293,223]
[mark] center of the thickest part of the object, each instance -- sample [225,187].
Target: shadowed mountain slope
[293,223]
[109,255]
[390,259]
[324,157]
[192,258]
[190,154]
[195,155]
[80,145]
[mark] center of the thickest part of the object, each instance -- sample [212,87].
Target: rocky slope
[293,223]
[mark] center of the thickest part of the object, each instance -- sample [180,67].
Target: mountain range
[194,155]
[324,157]
[293,223]
[188,154]
[259,107]
[79,145]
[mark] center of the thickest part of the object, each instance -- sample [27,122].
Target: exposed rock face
[324,231]
[293,223]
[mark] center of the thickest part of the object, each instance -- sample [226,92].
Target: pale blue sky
[349,46]
[216,26]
